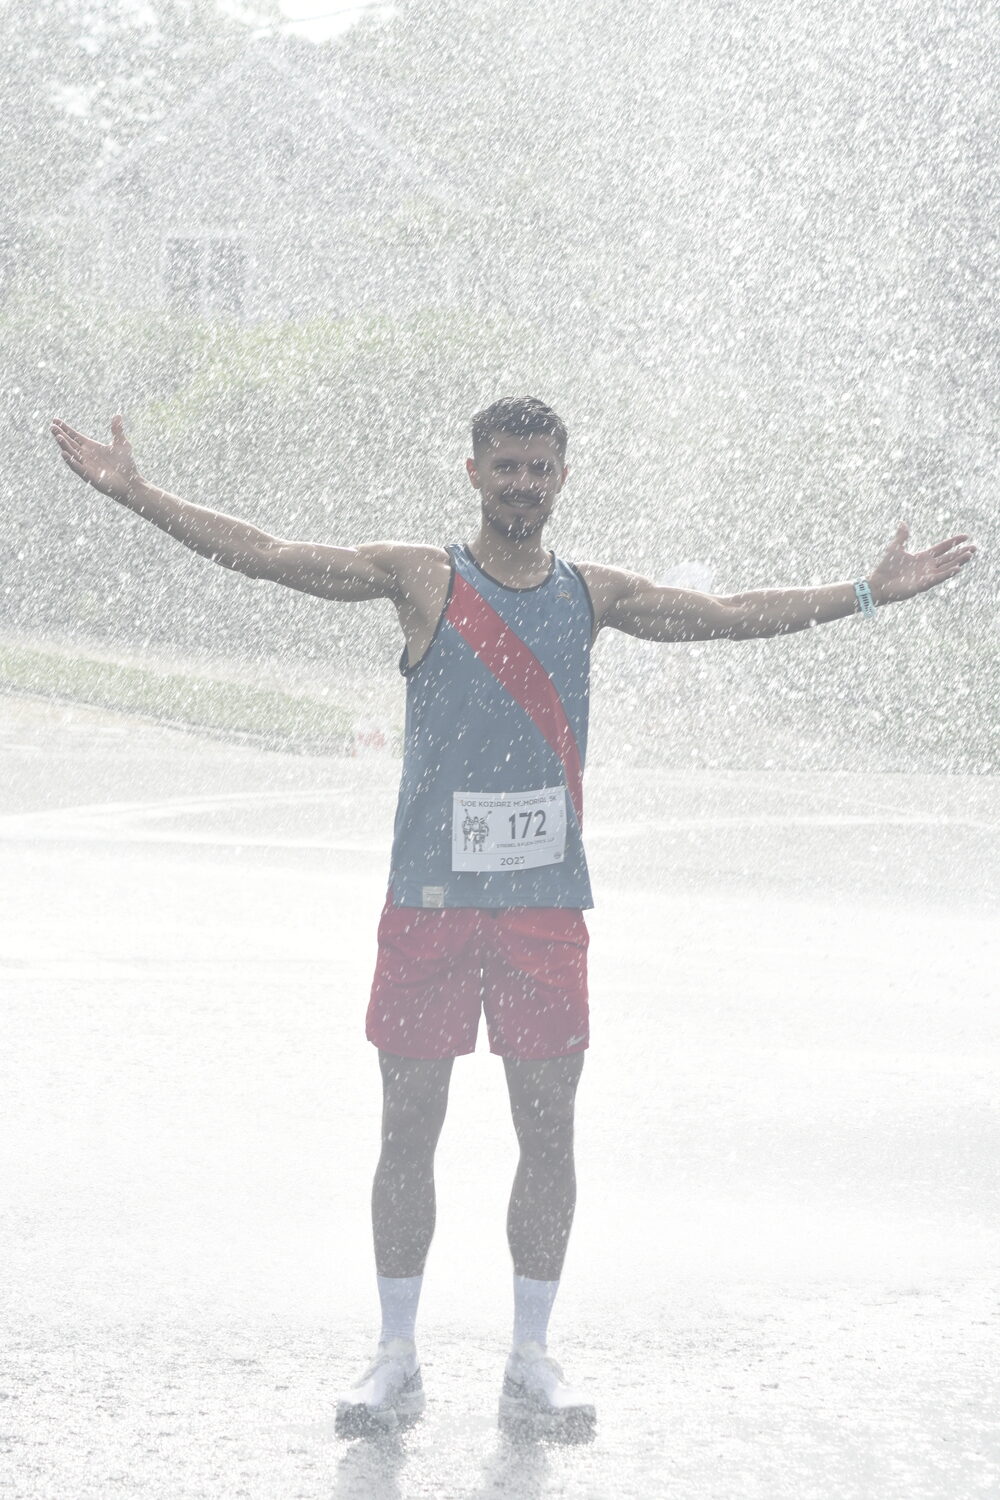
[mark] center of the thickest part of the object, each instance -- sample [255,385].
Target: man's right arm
[368,572]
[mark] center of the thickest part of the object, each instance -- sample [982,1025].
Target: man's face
[518,480]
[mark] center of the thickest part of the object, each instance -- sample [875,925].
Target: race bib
[508,830]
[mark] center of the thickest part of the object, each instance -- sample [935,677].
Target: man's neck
[518,562]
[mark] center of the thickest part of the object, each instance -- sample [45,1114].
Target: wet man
[498,632]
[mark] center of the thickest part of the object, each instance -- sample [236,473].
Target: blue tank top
[469,730]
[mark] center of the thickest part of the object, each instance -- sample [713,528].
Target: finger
[952,541]
[66,444]
[75,466]
[902,532]
[953,568]
[71,431]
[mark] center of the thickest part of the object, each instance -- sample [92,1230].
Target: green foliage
[280,720]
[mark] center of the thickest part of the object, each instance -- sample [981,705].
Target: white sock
[399,1296]
[532,1307]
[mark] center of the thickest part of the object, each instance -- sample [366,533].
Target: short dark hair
[521,416]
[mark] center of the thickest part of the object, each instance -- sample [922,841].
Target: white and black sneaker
[537,1401]
[389,1395]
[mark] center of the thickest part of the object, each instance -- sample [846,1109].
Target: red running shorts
[526,967]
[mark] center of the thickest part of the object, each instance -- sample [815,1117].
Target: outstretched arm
[368,572]
[625,601]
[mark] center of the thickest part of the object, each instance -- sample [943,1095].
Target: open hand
[109,467]
[901,574]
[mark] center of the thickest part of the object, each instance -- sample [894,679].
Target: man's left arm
[625,601]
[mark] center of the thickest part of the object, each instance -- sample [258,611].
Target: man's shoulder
[601,572]
[606,584]
[410,561]
[411,551]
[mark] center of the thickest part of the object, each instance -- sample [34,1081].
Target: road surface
[782,1280]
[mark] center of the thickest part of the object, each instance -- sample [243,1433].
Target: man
[497,633]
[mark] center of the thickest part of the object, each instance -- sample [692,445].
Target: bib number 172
[521,824]
[508,830]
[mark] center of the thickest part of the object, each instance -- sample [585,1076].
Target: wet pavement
[782,1280]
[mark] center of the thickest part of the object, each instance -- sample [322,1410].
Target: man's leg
[542,1098]
[536,1396]
[414,1101]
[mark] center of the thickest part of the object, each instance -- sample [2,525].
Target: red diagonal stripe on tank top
[518,670]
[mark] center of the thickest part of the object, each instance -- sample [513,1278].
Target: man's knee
[543,1098]
[414,1100]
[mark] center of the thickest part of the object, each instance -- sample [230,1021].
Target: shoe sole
[525,1422]
[378,1421]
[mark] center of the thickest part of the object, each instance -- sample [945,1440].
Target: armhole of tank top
[404,666]
[586,594]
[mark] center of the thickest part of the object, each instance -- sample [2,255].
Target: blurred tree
[44,145]
[81,79]
[143,61]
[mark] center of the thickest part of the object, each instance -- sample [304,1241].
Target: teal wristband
[864,593]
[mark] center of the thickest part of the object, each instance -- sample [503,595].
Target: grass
[229,709]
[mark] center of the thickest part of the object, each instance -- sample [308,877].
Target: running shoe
[537,1401]
[389,1395]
